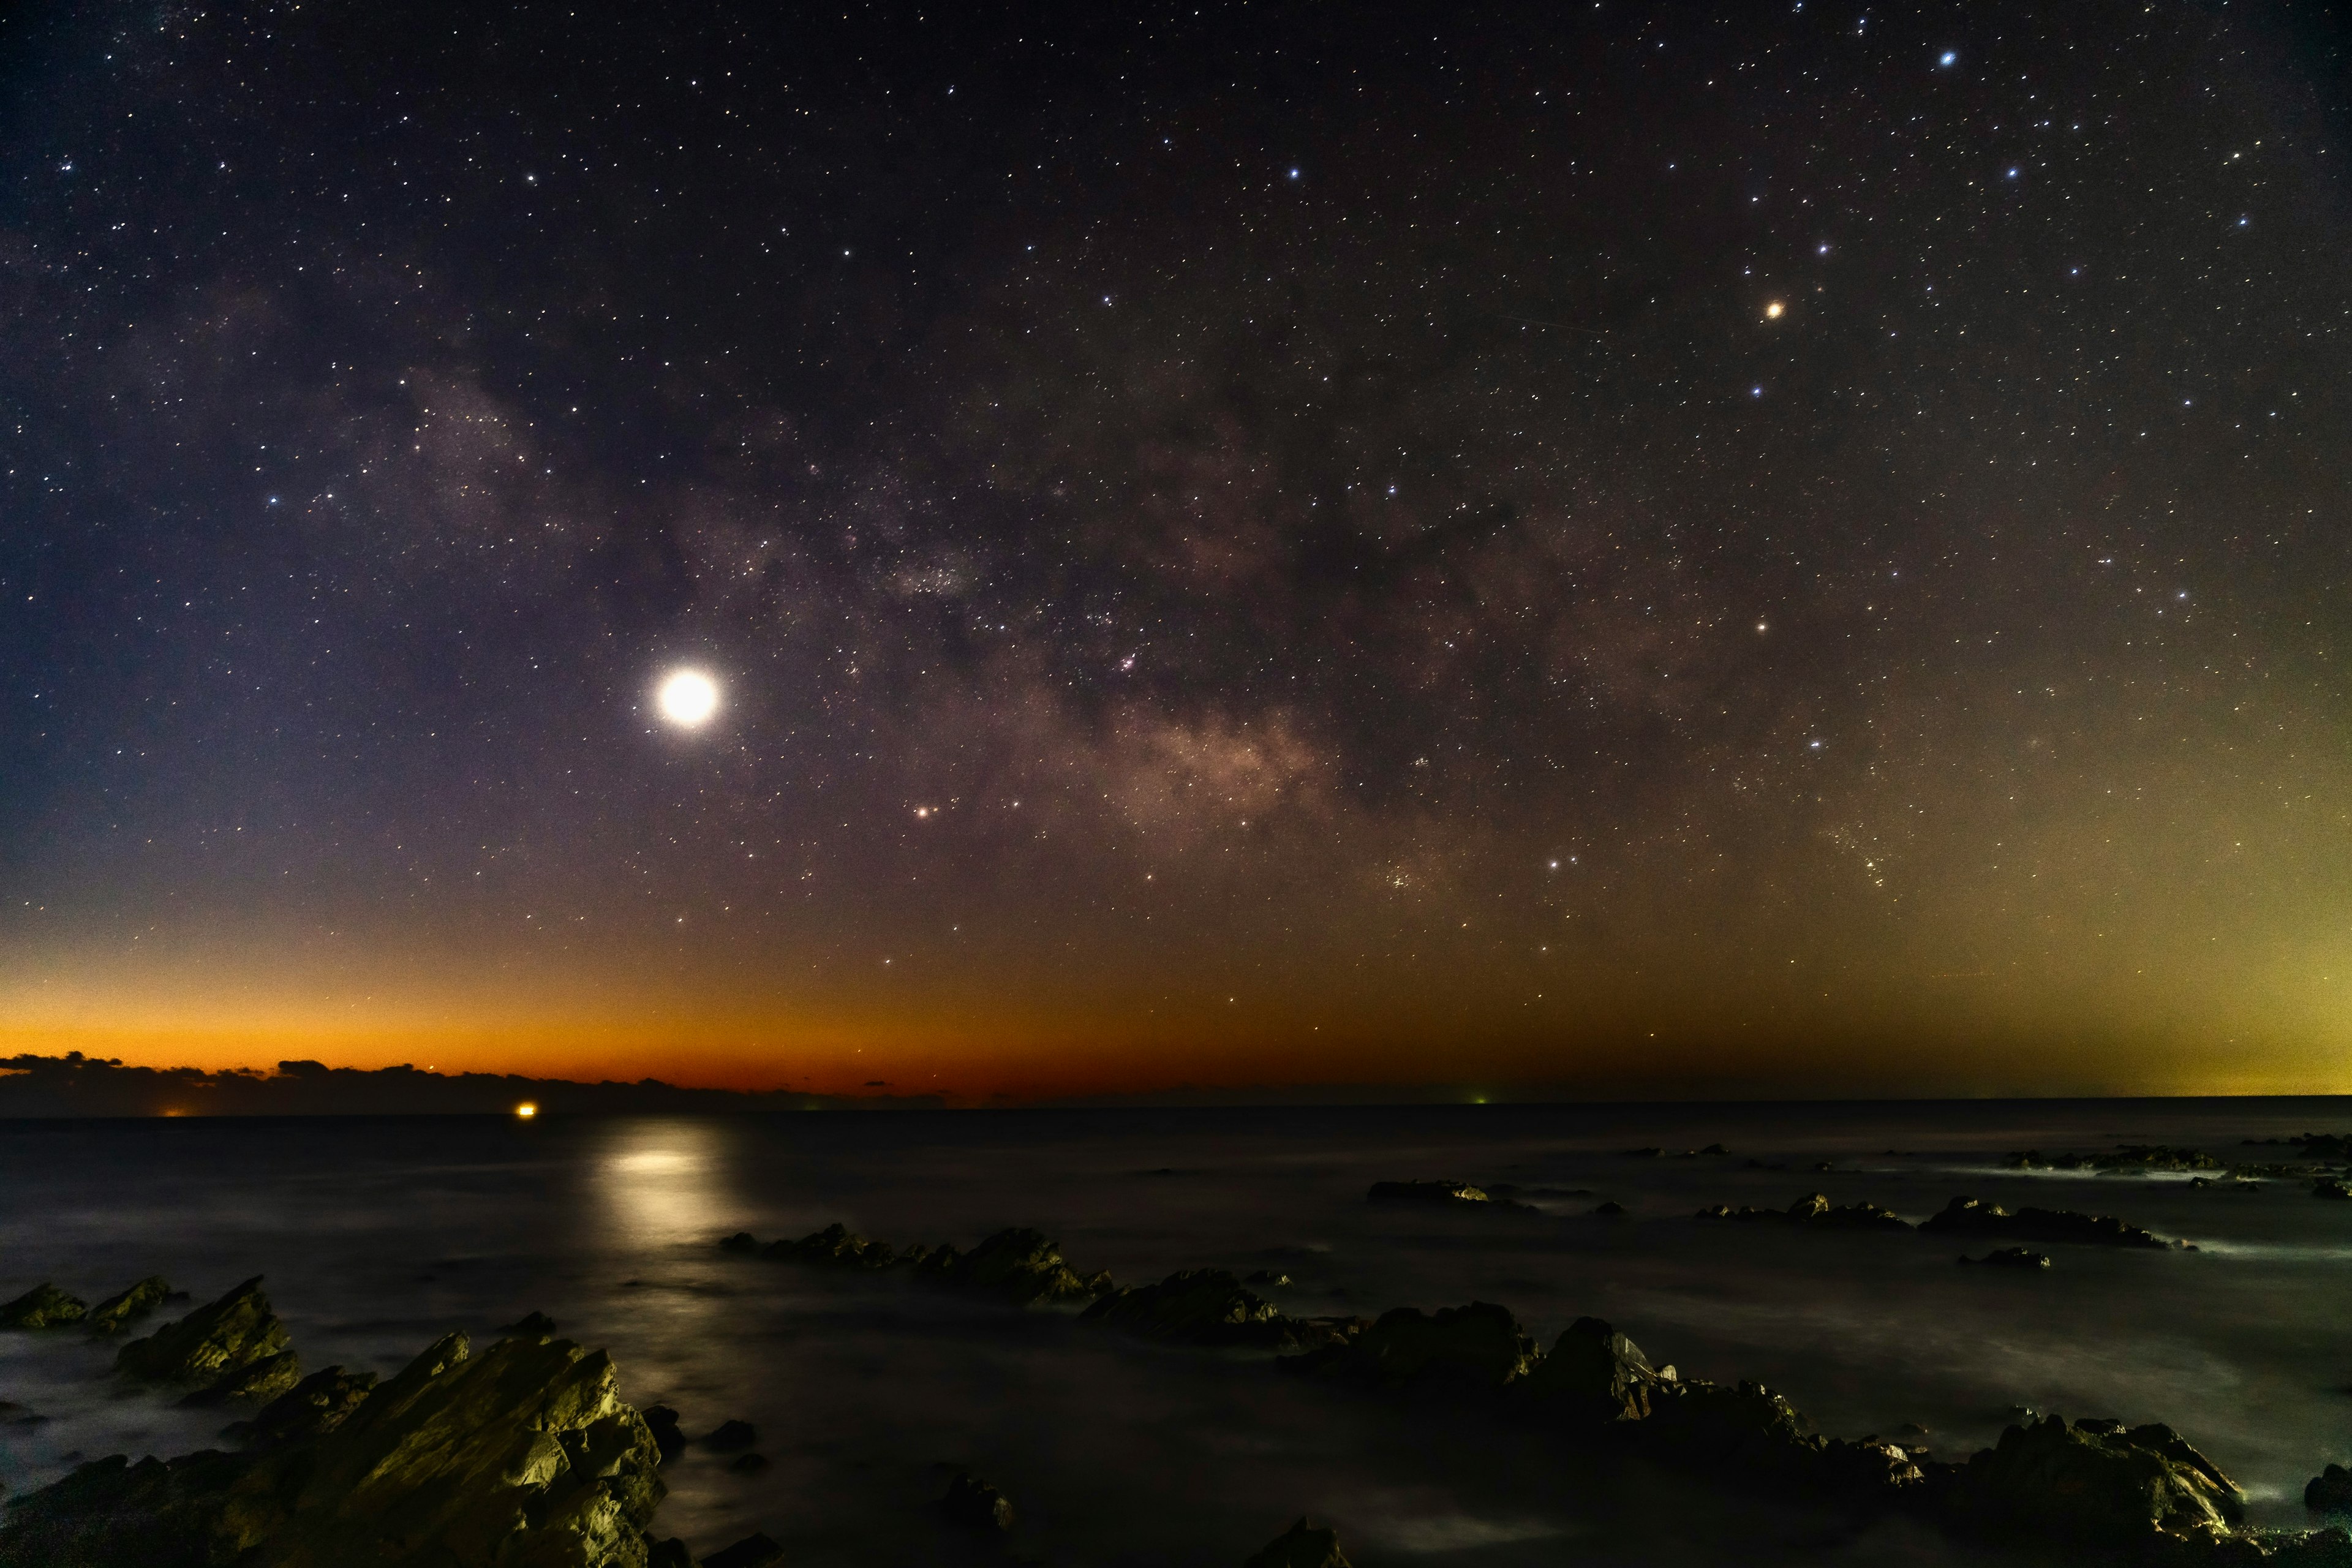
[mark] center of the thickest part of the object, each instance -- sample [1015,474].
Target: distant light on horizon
[526,1110]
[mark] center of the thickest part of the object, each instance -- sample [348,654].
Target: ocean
[868,1392]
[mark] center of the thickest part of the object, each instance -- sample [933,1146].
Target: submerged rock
[212,1348]
[2010,1258]
[835,1244]
[1426,1193]
[2099,1483]
[732,1437]
[742,1241]
[1018,1266]
[973,1504]
[1480,1344]
[1301,1546]
[523,1455]
[662,1422]
[42,1306]
[1595,1374]
[1210,1307]
[1814,1209]
[117,1311]
[754,1550]
[1968,1217]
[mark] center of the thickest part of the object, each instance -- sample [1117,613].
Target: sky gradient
[1769,550]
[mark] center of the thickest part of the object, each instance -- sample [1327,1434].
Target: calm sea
[377,1235]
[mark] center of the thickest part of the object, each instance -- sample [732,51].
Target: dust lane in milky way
[1653,551]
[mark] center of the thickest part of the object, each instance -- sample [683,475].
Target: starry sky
[1763,549]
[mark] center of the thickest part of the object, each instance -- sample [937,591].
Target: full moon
[687,698]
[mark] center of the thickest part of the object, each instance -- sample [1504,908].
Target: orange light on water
[526,1110]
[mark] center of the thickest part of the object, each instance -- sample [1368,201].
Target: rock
[1265,1276]
[1609,1210]
[1210,1307]
[1301,1546]
[1426,1193]
[835,1244]
[742,1241]
[311,1408]
[731,1437]
[1813,1209]
[1869,1469]
[2123,1157]
[1480,1344]
[2012,1258]
[117,1312]
[532,1326]
[42,1306]
[754,1550]
[2329,1187]
[662,1422]
[1595,1374]
[2097,1483]
[1018,1266]
[973,1504]
[1968,1216]
[524,1455]
[2330,1491]
[748,1464]
[670,1553]
[257,1383]
[1745,1427]
[213,1345]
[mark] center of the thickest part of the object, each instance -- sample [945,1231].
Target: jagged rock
[1870,1468]
[670,1553]
[973,1504]
[1208,1307]
[742,1241]
[42,1306]
[731,1437]
[116,1312]
[521,1455]
[2096,1482]
[836,1244]
[1018,1266]
[210,1345]
[1301,1546]
[662,1422]
[754,1550]
[257,1383]
[1746,1427]
[1426,1193]
[532,1326]
[2330,1491]
[1968,1216]
[1480,1344]
[2012,1258]
[1595,1374]
[1813,1209]
[311,1408]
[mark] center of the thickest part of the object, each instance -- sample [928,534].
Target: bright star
[1772,312]
[1947,58]
[687,698]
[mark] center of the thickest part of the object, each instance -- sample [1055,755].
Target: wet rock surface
[1301,1546]
[235,1348]
[119,1310]
[42,1307]
[524,1455]
[1968,1217]
[1596,1375]
[2096,1482]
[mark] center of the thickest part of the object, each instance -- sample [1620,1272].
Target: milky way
[1778,549]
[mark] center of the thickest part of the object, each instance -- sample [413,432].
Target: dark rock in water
[742,1241]
[2097,1483]
[1426,1193]
[311,1408]
[1210,1307]
[524,1455]
[1480,1344]
[1968,1216]
[2012,1258]
[748,1464]
[1747,1428]
[670,1553]
[42,1307]
[212,1346]
[1301,1546]
[116,1312]
[532,1326]
[2329,1187]
[662,1422]
[1018,1266]
[1612,1209]
[754,1550]
[2330,1491]
[1813,1209]
[835,1244]
[2123,1157]
[973,1504]
[1595,1374]
[731,1437]
[257,1383]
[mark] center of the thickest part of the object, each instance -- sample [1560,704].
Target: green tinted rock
[42,1307]
[211,1344]
[117,1312]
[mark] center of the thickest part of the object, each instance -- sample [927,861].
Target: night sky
[1776,549]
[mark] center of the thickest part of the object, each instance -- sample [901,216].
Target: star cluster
[1757,549]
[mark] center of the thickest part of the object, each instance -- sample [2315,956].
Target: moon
[687,698]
